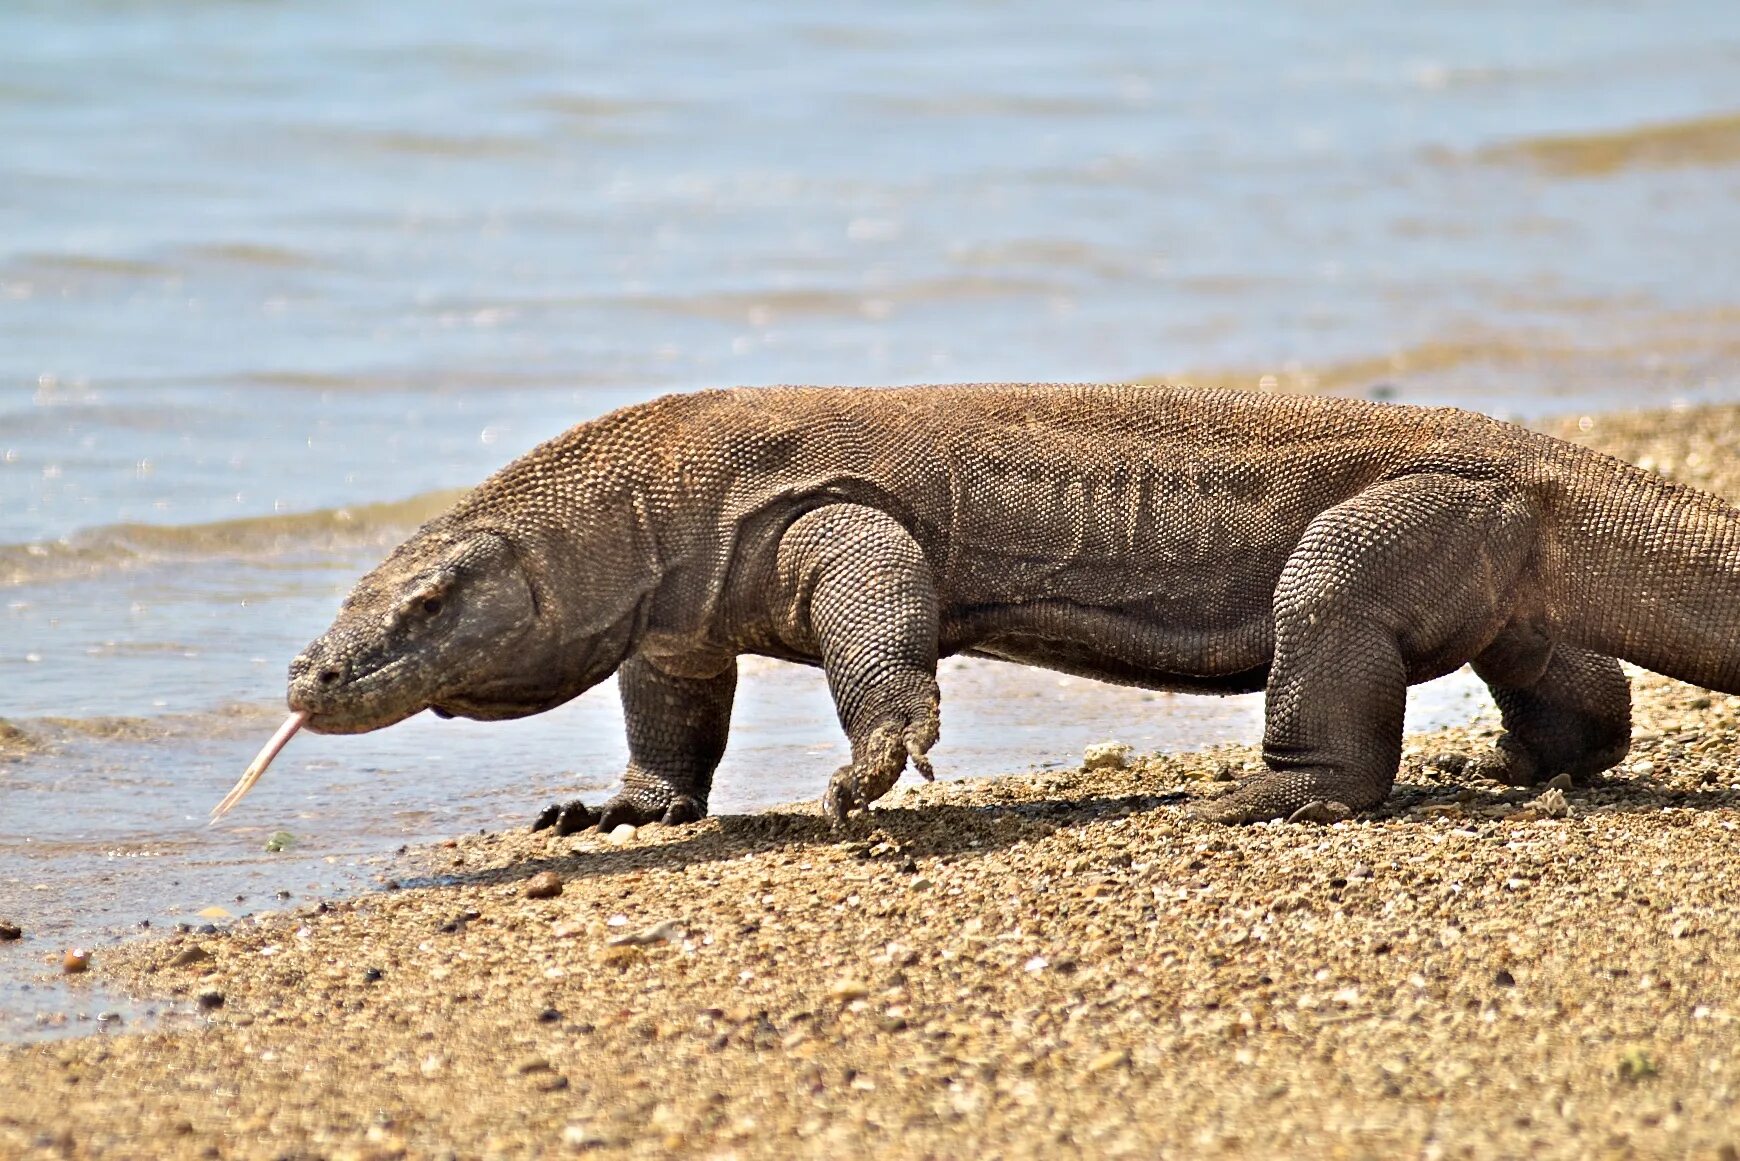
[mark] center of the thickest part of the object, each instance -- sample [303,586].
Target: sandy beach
[1050,964]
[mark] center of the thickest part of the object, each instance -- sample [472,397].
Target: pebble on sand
[10,931]
[845,991]
[191,954]
[544,885]
[1106,1061]
[75,961]
[1106,756]
[664,931]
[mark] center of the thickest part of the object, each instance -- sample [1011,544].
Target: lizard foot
[1506,764]
[566,817]
[639,807]
[878,765]
[1295,795]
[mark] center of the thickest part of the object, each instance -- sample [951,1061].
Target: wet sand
[1055,963]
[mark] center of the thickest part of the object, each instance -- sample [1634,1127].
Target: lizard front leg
[855,588]
[676,735]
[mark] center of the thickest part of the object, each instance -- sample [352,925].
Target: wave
[248,254]
[413,143]
[1015,105]
[1675,349]
[765,306]
[126,546]
[22,738]
[1697,141]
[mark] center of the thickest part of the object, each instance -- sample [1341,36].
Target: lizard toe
[683,809]
[575,817]
[631,810]
[566,817]
[843,795]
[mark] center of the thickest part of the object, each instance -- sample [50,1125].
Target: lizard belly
[1115,646]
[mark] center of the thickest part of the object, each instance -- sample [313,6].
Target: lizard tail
[1649,571]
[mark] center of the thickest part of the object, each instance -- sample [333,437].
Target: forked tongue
[258,766]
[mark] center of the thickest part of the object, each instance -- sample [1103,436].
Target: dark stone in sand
[544,885]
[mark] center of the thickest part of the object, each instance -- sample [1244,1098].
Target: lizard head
[465,623]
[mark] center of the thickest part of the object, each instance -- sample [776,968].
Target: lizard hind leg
[1574,718]
[1401,583]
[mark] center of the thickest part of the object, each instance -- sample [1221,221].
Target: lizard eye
[431,605]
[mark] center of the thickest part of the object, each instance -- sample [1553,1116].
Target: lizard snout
[313,676]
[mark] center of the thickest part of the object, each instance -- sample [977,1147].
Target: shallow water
[271,276]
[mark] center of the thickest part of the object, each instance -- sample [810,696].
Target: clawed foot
[637,809]
[878,766]
[1294,796]
[571,817]
[1319,810]
[1512,767]
[849,790]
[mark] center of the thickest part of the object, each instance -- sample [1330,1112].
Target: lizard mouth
[358,706]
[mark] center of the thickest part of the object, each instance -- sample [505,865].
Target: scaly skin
[1331,551]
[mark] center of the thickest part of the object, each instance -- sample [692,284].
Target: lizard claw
[1322,811]
[920,761]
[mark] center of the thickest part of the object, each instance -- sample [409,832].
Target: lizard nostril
[329,677]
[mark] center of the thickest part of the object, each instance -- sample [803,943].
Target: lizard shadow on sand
[889,835]
[894,836]
[1614,795]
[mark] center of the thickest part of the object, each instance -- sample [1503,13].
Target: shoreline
[1058,961]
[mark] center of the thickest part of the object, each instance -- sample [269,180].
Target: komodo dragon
[1330,551]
